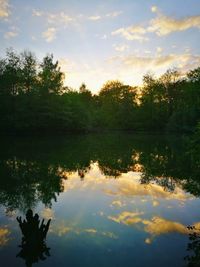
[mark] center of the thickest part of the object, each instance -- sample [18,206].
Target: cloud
[47,213]
[154,9]
[121,48]
[117,203]
[114,14]
[4,9]
[91,230]
[155,226]
[126,217]
[49,34]
[59,18]
[132,33]
[94,17]
[148,241]
[163,25]
[37,13]
[62,229]
[10,34]
[128,185]
[158,226]
[183,62]
[159,49]
[131,187]
[13,32]
[64,19]
[155,203]
[157,61]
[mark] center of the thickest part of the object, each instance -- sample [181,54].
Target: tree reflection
[33,170]
[193,259]
[33,245]
[27,182]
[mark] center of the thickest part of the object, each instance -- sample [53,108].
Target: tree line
[33,98]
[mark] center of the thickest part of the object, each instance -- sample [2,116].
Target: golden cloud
[163,25]
[156,226]
[128,185]
[155,203]
[126,217]
[131,187]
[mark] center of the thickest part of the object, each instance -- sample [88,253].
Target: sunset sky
[100,40]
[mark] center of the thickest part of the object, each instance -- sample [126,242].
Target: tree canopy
[33,98]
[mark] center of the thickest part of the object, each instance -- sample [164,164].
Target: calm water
[114,200]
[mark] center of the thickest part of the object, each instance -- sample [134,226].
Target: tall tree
[28,71]
[50,76]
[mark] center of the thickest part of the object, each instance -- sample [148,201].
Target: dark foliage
[193,259]
[33,99]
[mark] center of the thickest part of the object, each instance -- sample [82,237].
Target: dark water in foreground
[115,200]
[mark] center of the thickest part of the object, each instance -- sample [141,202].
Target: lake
[113,199]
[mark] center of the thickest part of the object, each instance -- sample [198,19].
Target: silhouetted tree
[33,98]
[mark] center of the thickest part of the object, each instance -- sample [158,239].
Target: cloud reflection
[62,228]
[4,236]
[155,226]
[128,185]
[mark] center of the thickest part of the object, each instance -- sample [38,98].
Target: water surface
[114,199]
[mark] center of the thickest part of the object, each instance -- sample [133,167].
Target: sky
[100,40]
